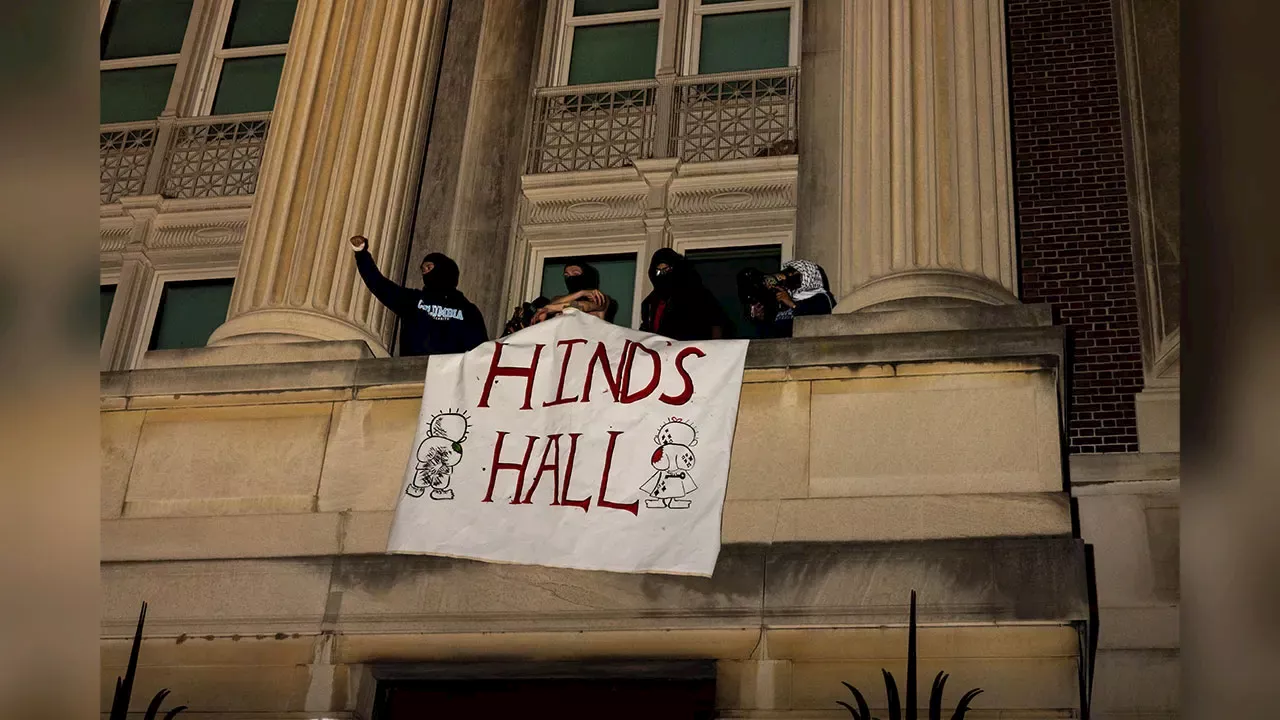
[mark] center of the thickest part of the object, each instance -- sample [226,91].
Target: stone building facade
[990,417]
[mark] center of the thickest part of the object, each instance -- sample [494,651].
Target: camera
[758,294]
[523,315]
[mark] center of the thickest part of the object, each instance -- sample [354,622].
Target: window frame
[568,22]
[540,251]
[174,59]
[140,342]
[695,10]
[198,66]
[207,89]
[686,14]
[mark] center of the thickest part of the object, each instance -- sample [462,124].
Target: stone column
[346,142]
[917,208]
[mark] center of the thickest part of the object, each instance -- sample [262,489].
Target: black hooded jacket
[680,306]
[436,320]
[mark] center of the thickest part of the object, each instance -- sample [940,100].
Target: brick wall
[1073,219]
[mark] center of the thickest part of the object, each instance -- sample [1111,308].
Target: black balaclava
[672,277]
[444,276]
[588,280]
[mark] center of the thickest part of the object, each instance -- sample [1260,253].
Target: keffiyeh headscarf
[813,282]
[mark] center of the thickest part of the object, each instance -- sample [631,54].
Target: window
[610,40]
[189,312]
[252,40]
[141,43]
[236,54]
[719,268]
[617,40]
[617,280]
[106,298]
[725,36]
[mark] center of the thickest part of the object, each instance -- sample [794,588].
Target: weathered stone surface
[274,378]
[365,454]
[926,319]
[1138,681]
[928,517]
[119,442]
[1159,421]
[935,435]
[257,354]
[998,579]
[773,423]
[251,459]
[216,688]
[247,597]
[1007,683]
[403,592]
[934,641]
[221,536]
[728,642]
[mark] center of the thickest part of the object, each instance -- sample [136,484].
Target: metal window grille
[124,154]
[592,127]
[215,157]
[736,115]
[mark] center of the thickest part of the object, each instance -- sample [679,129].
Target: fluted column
[343,157]
[928,216]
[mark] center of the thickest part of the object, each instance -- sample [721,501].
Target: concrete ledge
[865,519]
[1024,580]
[256,354]
[927,319]
[366,377]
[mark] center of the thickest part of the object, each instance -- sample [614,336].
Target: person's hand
[784,297]
[359,242]
[594,300]
[756,311]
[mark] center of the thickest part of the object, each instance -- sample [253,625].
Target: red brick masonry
[1072,205]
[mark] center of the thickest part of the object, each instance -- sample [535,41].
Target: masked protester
[680,306]
[773,301]
[582,280]
[436,320]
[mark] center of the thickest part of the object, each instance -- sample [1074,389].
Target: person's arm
[399,299]
[819,304]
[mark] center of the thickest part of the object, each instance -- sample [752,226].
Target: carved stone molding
[587,208]
[194,234]
[732,198]
[115,234]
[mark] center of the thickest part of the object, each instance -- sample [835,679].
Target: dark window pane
[189,313]
[107,296]
[612,53]
[260,22]
[745,41]
[135,93]
[248,85]
[137,28]
[617,280]
[719,270]
[600,7]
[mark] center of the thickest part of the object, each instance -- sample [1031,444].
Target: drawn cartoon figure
[438,454]
[673,459]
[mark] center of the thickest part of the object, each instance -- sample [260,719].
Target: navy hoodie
[436,320]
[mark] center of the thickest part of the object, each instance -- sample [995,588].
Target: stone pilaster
[918,208]
[343,157]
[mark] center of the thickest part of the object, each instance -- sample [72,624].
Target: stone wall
[250,504]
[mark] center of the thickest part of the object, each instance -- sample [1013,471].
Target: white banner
[574,443]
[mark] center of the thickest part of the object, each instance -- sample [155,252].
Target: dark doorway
[570,691]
